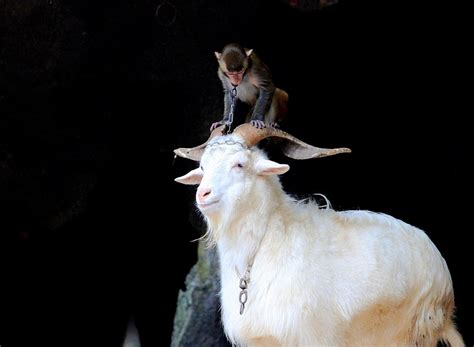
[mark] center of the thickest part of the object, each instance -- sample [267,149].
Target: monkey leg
[278,109]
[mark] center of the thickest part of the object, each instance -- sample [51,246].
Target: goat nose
[203,193]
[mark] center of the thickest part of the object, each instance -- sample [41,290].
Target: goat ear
[267,167]
[192,177]
[218,55]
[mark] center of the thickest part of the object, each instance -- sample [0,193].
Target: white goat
[296,275]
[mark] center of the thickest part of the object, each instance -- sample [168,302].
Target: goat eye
[201,167]
[239,165]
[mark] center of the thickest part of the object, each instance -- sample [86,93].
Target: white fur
[320,277]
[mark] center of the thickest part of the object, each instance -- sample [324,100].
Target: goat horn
[291,146]
[195,153]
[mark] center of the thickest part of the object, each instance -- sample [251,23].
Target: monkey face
[233,61]
[236,77]
[233,70]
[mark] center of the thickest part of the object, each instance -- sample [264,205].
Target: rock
[197,321]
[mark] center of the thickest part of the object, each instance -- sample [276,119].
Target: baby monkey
[246,78]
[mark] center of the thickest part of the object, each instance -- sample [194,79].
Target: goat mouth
[204,206]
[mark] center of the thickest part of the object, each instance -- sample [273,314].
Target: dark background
[95,94]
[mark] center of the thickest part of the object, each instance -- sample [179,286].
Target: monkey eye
[231,73]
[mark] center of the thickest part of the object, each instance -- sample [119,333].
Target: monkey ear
[218,55]
[249,52]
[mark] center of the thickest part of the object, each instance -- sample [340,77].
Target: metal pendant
[243,296]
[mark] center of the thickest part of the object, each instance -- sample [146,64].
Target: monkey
[245,76]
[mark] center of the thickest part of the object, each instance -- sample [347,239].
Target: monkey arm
[227,95]
[225,118]
[227,102]
[264,100]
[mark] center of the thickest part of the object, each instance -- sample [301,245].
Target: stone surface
[197,321]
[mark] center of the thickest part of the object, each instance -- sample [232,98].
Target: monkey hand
[259,124]
[216,124]
[274,125]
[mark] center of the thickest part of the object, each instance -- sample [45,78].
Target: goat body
[318,277]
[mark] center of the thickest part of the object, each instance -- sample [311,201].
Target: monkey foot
[274,125]
[258,124]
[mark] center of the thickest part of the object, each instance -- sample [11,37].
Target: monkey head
[233,62]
